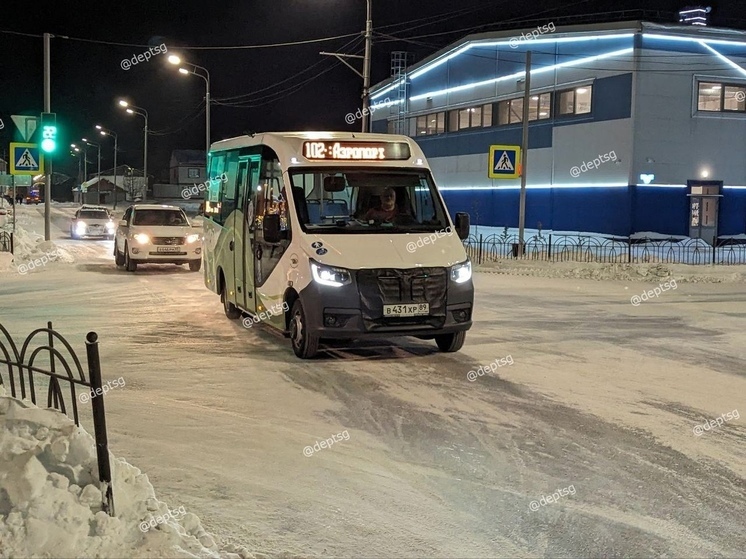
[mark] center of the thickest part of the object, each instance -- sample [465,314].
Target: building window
[427,125]
[487,115]
[192,173]
[470,117]
[575,101]
[413,127]
[720,97]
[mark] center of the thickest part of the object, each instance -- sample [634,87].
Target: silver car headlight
[80,227]
[461,273]
[192,238]
[327,275]
[142,238]
[111,226]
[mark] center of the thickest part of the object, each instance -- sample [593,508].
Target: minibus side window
[228,201]
[214,190]
[271,199]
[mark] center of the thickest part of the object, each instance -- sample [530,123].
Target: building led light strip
[570,185]
[586,60]
[704,42]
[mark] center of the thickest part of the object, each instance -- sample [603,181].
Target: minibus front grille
[391,286]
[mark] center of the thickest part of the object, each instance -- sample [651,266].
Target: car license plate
[95,229]
[416,309]
[168,249]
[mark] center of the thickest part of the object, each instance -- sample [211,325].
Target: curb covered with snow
[684,273]
[50,501]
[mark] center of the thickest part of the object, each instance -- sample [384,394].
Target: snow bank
[32,253]
[626,272]
[50,501]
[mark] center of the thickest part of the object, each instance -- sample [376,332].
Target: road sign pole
[524,158]
[15,202]
[47,109]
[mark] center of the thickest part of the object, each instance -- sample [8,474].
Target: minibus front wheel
[231,311]
[305,344]
[451,342]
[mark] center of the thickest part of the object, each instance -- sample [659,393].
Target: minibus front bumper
[355,310]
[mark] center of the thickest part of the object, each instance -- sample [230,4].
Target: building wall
[644,111]
[180,175]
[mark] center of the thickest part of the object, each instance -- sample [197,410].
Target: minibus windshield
[362,200]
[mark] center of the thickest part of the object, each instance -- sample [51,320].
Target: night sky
[282,88]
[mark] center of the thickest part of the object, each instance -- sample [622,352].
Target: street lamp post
[132,109]
[98,182]
[106,132]
[173,59]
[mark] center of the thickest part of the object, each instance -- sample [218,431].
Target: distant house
[130,185]
[187,167]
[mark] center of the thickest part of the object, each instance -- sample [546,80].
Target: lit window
[463,119]
[734,98]
[583,100]
[441,123]
[421,125]
[516,110]
[575,101]
[487,115]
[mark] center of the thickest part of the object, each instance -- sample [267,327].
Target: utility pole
[366,67]
[48,163]
[524,154]
[366,64]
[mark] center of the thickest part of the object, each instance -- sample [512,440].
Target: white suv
[153,234]
[92,221]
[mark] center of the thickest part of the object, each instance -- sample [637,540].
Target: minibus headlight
[461,273]
[326,275]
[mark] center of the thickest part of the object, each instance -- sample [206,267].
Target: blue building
[633,126]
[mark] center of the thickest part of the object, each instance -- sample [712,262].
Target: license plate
[416,309]
[168,249]
[95,229]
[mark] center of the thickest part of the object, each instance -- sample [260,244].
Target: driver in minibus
[386,210]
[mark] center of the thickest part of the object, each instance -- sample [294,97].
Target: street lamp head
[103,133]
[98,127]
[130,111]
[73,146]
[173,59]
[183,71]
[84,139]
[123,102]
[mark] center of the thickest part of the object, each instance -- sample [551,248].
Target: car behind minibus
[333,235]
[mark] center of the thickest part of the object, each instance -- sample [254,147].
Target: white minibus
[333,236]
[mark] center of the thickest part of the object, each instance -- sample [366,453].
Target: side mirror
[271,229]
[122,223]
[462,225]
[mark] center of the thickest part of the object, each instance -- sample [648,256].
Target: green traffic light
[48,145]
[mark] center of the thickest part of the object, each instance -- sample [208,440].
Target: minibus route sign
[356,151]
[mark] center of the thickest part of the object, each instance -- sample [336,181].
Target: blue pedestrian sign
[505,162]
[25,159]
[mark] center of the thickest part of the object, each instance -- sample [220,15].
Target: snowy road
[602,398]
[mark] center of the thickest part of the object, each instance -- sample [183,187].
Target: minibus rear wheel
[305,345]
[451,342]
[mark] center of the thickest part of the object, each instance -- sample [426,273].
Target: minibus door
[243,255]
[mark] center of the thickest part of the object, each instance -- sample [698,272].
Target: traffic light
[49,132]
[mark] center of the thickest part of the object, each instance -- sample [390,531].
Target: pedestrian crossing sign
[25,159]
[505,162]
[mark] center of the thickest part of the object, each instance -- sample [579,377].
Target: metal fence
[578,248]
[39,346]
[6,241]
